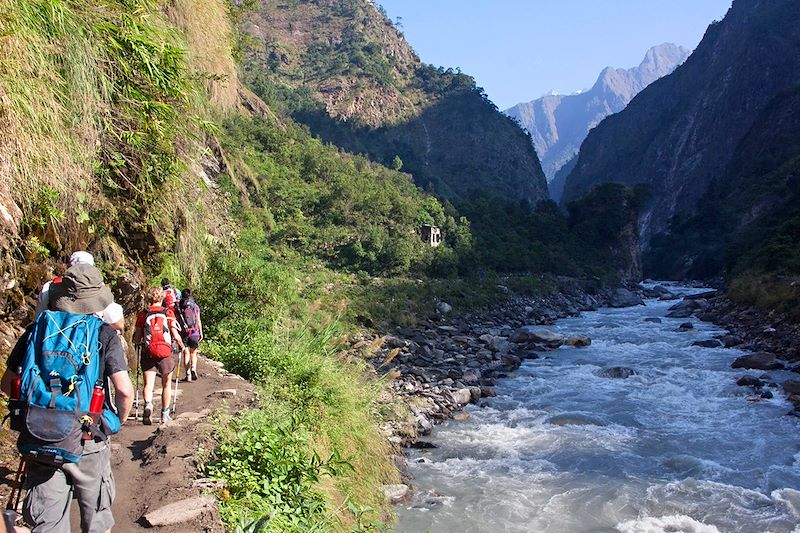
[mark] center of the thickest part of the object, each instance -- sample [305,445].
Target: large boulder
[616,372]
[681,312]
[758,361]
[531,334]
[624,298]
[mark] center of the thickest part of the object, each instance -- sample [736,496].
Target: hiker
[192,332]
[112,315]
[171,294]
[155,331]
[83,467]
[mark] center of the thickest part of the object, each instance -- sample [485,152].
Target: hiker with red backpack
[192,332]
[156,328]
[60,401]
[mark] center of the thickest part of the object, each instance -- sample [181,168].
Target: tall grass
[102,112]
[263,328]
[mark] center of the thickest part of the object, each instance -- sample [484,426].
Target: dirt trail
[155,465]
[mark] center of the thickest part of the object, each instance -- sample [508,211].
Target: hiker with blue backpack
[156,330]
[57,378]
[192,332]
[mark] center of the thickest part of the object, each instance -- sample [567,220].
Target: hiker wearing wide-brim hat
[81,291]
[50,487]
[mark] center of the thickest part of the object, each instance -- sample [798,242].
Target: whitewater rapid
[676,447]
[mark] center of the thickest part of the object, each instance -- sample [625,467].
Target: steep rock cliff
[681,132]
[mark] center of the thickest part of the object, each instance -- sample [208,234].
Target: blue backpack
[59,371]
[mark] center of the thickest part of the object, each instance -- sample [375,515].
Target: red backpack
[157,336]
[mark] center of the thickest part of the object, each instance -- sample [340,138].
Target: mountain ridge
[559,123]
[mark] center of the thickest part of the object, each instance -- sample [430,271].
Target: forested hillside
[343,69]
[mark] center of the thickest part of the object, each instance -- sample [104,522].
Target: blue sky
[518,50]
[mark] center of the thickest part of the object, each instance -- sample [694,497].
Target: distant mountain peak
[559,123]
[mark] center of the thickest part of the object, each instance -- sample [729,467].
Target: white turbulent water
[677,447]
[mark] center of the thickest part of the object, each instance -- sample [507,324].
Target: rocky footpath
[444,363]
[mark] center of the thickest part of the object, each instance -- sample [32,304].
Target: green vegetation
[314,400]
[106,112]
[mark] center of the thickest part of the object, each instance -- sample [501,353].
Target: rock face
[558,124]
[686,127]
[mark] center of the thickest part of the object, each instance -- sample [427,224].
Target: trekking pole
[10,513]
[138,375]
[177,376]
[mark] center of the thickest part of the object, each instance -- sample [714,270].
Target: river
[676,447]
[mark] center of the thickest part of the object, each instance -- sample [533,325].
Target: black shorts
[192,341]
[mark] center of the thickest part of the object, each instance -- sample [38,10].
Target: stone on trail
[758,361]
[180,512]
[225,393]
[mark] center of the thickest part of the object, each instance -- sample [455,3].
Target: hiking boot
[148,412]
[165,417]
[188,377]
[194,375]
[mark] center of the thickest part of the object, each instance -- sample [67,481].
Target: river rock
[472,374]
[461,416]
[532,334]
[180,512]
[686,326]
[395,494]
[791,386]
[444,307]
[767,395]
[758,361]
[624,298]
[701,296]
[708,343]
[510,361]
[730,341]
[462,396]
[616,372]
[475,393]
[749,381]
[653,319]
[487,391]
[683,312]
[579,341]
